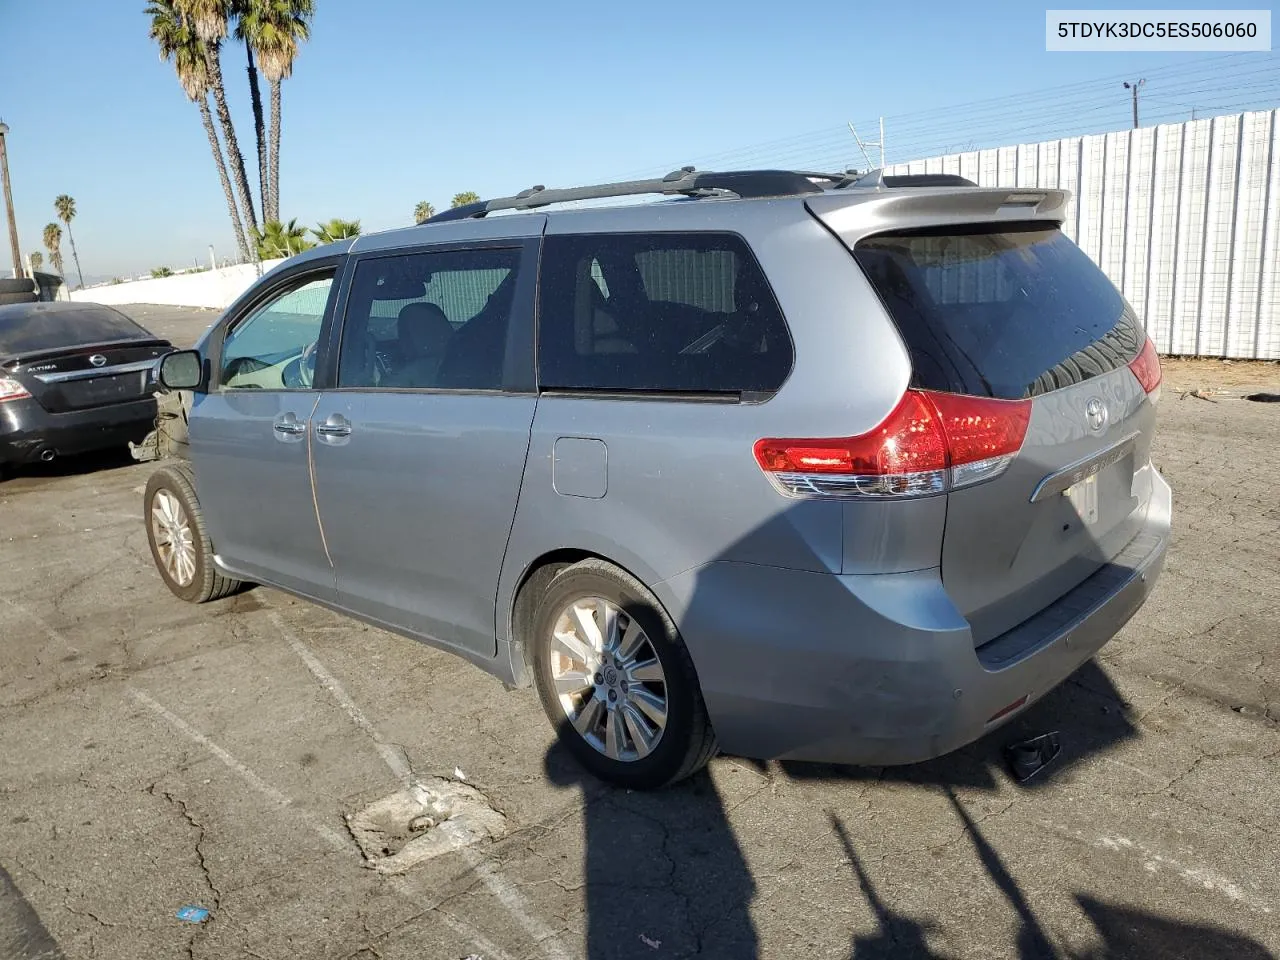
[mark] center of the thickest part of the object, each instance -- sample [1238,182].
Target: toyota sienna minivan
[787,465]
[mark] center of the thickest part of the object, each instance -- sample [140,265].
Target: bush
[161,272]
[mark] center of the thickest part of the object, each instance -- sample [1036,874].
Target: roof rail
[684,182]
[878,178]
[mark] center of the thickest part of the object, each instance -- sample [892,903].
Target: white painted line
[57,636]
[507,895]
[1153,862]
[390,755]
[332,836]
[337,840]
[502,889]
[487,948]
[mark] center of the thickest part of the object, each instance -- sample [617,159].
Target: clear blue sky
[395,101]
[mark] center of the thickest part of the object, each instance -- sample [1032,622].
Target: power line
[1064,105]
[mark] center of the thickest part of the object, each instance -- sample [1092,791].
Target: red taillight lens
[908,441]
[1146,367]
[931,442]
[12,390]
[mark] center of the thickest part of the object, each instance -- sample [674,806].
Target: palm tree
[65,207]
[53,242]
[240,9]
[467,196]
[336,229]
[275,29]
[37,260]
[209,20]
[277,239]
[178,42]
[423,212]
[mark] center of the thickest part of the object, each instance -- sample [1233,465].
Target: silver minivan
[786,465]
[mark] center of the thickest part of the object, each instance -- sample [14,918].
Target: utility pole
[863,144]
[8,202]
[1134,88]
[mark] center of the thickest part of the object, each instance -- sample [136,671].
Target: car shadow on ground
[665,869]
[71,466]
[1122,931]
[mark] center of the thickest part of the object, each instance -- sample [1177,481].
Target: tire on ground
[207,584]
[8,298]
[13,285]
[688,740]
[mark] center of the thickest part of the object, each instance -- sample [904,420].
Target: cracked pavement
[155,754]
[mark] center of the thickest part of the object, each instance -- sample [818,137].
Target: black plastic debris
[1264,397]
[1026,758]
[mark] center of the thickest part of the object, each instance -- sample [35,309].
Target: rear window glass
[37,327]
[682,313]
[1005,312]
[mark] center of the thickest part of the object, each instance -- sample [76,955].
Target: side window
[274,347]
[429,320]
[659,313]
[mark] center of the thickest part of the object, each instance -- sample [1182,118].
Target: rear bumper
[27,429]
[881,669]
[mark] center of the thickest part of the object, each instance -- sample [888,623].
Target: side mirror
[181,370]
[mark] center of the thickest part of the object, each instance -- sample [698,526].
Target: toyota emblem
[1095,414]
[98,360]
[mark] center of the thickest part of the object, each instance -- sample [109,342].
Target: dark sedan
[74,377]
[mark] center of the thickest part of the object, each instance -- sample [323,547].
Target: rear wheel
[179,540]
[616,680]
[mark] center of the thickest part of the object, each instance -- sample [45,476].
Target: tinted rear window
[37,328]
[1004,312]
[681,313]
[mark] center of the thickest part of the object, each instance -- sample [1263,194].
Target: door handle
[287,425]
[336,426]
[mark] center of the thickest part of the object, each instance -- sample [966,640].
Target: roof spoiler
[878,179]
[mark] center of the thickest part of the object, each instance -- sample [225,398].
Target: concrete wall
[1184,218]
[213,288]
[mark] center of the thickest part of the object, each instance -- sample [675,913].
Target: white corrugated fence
[1182,217]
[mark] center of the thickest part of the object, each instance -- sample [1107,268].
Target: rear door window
[430,320]
[1000,311]
[680,313]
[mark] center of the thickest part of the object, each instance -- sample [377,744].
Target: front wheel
[179,540]
[616,680]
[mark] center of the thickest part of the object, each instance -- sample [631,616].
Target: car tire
[685,741]
[8,298]
[179,538]
[13,285]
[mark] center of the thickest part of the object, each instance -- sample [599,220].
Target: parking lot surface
[156,755]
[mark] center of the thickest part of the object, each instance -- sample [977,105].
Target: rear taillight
[1146,367]
[12,390]
[930,443]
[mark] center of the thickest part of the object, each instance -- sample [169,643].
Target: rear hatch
[1015,311]
[72,359]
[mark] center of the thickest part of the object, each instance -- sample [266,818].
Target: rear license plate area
[1083,497]
[105,390]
